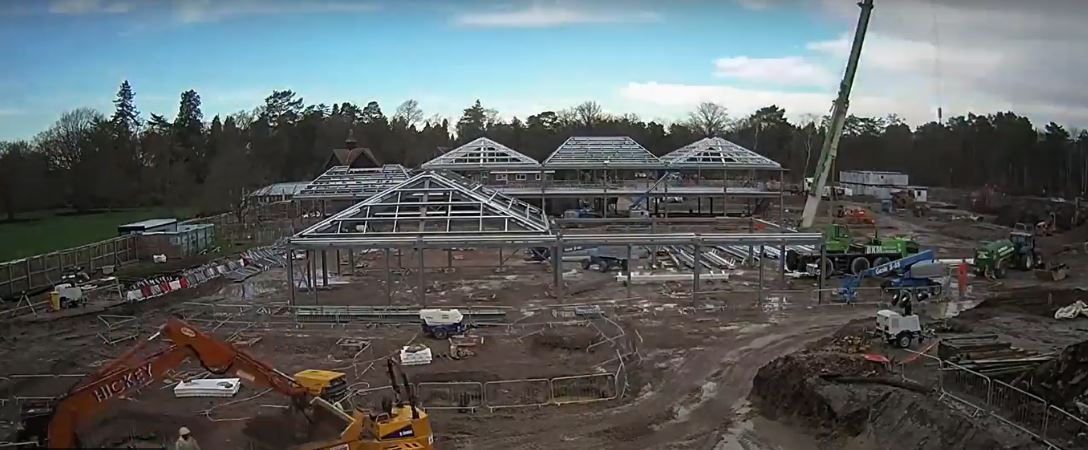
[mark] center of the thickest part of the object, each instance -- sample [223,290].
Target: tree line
[88,160]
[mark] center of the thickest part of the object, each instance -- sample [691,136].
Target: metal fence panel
[451,395]
[1018,408]
[965,385]
[584,388]
[1064,430]
[518,393]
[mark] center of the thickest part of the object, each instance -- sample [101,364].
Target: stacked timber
[990,356]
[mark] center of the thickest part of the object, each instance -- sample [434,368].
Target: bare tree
[409,112]
[64,142]
[589,113]
[709,119]
[808,128]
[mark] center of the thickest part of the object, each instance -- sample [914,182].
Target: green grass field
[46,231]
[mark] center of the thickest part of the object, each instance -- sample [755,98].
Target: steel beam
[515,240]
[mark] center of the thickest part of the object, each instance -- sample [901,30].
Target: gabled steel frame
[482,153]
[717,153]
[431,203]
[602,152]
[343,182]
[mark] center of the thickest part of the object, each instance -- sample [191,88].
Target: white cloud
[790,70]
[538,16]
[756,4]
[889,53]
[961,53]
[742,101]
[87,7]
[195,11]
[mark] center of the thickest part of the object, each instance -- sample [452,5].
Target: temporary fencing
[985,396]
[518,393]
[451,395]
[260,258]
[584,388]
[523,393]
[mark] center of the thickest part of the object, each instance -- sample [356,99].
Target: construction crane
[838,119]
[55,424]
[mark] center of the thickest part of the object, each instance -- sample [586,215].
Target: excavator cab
[398,425]
[329,385]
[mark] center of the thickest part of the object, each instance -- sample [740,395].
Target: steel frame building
[347,183]
[482,154]
[715,153]
[602,152]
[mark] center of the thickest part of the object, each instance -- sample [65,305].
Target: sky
[652,58]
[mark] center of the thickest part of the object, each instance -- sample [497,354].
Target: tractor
[995,258]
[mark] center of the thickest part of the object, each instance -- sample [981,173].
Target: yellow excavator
[398,426]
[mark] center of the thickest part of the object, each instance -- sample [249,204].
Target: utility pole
[838,119]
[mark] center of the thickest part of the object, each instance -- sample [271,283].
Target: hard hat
[183,431]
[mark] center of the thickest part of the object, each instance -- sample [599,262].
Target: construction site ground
[689,383]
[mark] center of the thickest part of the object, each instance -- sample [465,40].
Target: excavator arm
[130,373]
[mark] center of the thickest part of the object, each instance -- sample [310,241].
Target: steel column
[759,291]
[820,269]
[324,269]
[291,276]
[313,274]
[351,261]
[388,276]
[422,287]
[557,260]
[696,270]
[628,271]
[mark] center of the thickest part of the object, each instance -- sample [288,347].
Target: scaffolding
[482,153]
[344,182]
[717,153]
[602,152]
[434,202]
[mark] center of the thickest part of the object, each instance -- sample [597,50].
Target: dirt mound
[1065,378]
[853,403]
[284,429]
[1039,301]
[791,386]
[579,339]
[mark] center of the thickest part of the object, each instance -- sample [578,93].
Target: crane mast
[830,147]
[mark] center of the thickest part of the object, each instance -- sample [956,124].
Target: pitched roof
[482,153]
[717,153]
[601,151]
[434,202]
[351,183]
[278,189]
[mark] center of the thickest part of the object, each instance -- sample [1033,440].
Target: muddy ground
[690,385]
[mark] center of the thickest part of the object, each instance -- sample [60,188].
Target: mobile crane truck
[843,255]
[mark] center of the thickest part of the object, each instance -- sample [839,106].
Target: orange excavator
[399,426]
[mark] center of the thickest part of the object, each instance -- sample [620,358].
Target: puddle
[706,392]
[754,432]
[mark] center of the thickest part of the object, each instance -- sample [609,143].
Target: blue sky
[518,57]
